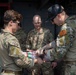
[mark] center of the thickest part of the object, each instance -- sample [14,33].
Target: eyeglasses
[17,22]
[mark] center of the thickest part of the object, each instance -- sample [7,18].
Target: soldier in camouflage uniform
[37,38]
[11,54]
[21,36]
[65,44]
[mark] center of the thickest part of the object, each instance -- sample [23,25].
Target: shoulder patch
[14,51]
[62,33]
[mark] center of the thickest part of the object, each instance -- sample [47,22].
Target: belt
[10,71]
[70,62]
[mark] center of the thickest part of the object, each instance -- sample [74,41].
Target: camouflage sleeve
[48,46]
[63,42]
[21,36]
[28,41]
[50,39]
[22,42]
[50,36]
[15,52]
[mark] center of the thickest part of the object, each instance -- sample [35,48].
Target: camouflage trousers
[43,69]
[69,68]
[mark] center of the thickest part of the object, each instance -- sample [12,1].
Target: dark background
[28,8]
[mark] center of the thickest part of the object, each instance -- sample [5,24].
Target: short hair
[36,16]
[12,15]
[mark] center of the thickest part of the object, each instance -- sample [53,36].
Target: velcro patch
[14,51]
[62,33]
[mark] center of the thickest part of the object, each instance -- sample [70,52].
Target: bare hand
[38,60]
[54,64]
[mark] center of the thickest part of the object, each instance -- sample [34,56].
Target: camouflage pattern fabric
[44,69]
[65,43]
[47,69]
[66,46]
[11,54]
[35,39]
[21,36]
[36,69]
[1,66]
[69,68]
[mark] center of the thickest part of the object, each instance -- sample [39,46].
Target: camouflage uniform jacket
[21,36]
[66,42]
[35,39]
[10,52]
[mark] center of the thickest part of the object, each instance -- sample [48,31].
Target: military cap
[54,10]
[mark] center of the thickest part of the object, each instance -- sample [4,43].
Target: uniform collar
[41,31]
[6,31]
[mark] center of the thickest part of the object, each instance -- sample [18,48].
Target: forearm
[50,45]
[21,63]
[21,59]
